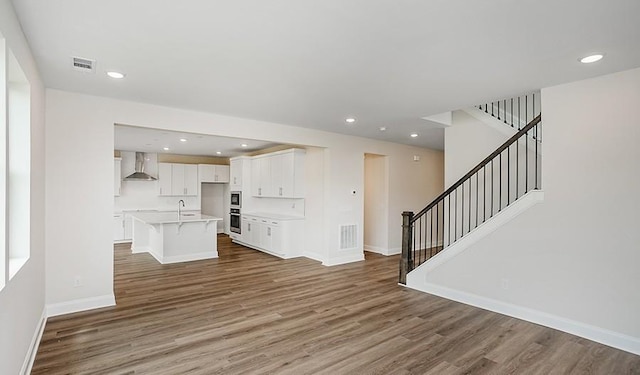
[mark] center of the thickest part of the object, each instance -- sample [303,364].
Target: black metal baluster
[500,183]
[462,212]
[526,162]
[517,166]
[504,106]
[469,206]
[508,176]
[419,241]
[484,193]
[536,140]
[533,105]
[498,110]
[519,116]
[512,112]
[438,222]
[455,221]
[449,222]
[431,237]
[477,196]
[492,183]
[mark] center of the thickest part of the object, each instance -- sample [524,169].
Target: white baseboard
[187,258]
[604,336]
[140,249]
[83,304]
[27,365]
[343,260]
[312,256]
[382,250]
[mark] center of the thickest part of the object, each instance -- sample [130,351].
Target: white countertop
[274,216]
[171,217]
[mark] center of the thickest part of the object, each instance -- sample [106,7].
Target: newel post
[406,261]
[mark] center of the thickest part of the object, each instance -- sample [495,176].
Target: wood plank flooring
[251,313]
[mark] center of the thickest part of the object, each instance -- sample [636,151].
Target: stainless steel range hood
[139,174]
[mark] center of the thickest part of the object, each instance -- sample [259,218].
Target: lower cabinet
[279,237]
[122,227]
[118,227]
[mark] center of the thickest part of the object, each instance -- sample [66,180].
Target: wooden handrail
[478,167]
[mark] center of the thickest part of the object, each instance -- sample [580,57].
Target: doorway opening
[376,203]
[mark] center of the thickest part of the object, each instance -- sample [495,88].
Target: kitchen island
[171,237]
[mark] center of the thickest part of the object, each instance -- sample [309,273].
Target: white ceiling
[132,138]
[314,63]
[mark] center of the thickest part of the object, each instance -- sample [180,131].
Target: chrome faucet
[179,210]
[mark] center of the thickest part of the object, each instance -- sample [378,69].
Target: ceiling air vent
[84,65]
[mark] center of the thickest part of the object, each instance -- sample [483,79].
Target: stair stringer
[415,278]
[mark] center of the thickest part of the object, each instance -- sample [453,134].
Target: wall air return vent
[84,65]
[348,238]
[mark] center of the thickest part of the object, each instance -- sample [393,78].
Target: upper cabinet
[177,179]
[278,175]
[117,176]
[236,169]
[213,173]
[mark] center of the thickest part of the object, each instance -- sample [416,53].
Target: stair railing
[511,171]
[515,112]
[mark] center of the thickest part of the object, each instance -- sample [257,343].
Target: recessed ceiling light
[166,148]
[383,128]
[183,139]
[244,145]
[218,152]
[116,75]
[413,135]
[350,120]
[591,58]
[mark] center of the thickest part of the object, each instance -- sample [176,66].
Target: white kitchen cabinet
[117,176]
[261,176]
[177,179]
[270,236]
[164,179]
[278,175]
[251,231]
[273,234]
[213,173]
[235,173]
[118,227]
[128,227]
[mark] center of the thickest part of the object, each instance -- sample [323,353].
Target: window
[15,162]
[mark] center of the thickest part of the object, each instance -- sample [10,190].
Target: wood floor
[250,313]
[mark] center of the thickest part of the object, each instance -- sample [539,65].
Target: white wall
[22,299]
[467,142]
[572,261]
[376,204]
[80,135]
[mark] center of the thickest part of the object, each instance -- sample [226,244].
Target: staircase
[498,181]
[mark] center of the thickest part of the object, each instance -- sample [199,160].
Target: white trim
[343,260]
[604,336]
[82,304]
[27,365]
[187,258]
[507,214]
[491,121]
[140,249]
[497,125]
[312,256]
[382,250]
